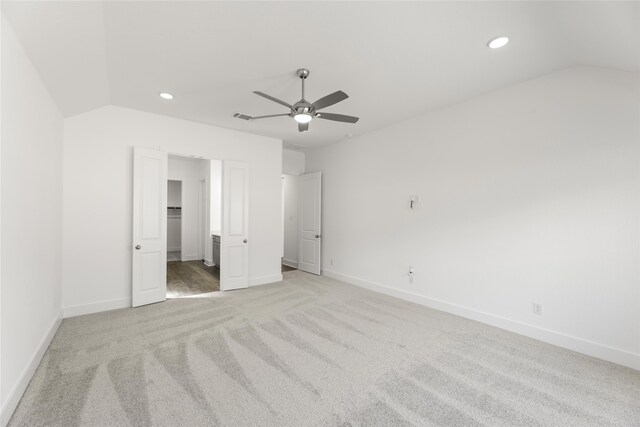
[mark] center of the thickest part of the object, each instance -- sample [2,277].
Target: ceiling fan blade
[245,117]
[303,127]
[329,100]
[270,115]
[271,98]
[337,117]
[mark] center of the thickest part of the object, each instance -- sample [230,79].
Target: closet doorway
[151,175]
[194,209]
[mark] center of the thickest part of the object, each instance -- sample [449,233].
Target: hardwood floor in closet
[187,278]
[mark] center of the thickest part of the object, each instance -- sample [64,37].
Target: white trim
[96,307]
[15,394]
[194,257]
[263,280]
[590,348]
[176,249]
[209,263]
[290,263]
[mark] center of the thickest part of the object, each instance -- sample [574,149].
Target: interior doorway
[290,202]
[226,180]
[194,207]
[301,222]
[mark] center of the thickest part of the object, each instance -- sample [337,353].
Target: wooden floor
[187,278]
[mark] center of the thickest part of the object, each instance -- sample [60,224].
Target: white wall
[31,200]
[174,193]
[97,197]
[293,162]
[204,212]
[189,172]
[528,194]
[290,219]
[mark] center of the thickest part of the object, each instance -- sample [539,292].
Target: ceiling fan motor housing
[303,107]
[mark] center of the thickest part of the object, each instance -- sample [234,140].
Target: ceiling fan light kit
[302,117]
[303,111]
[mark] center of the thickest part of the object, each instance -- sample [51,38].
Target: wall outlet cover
[537,308]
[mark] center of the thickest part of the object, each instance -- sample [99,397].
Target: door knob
[138,247]
[245,240]
[317,236]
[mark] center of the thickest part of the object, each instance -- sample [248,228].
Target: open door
[149,226]
[234,247]
[309,219]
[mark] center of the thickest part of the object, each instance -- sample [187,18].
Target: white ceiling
[394,59]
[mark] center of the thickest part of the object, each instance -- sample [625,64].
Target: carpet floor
[314,351]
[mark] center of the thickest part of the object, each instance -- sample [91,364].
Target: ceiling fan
[303,111]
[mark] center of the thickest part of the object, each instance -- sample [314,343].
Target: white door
[234,245]
[309,222]
[149,226]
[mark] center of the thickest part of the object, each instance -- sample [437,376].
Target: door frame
[202,184]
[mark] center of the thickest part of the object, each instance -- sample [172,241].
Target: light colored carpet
[314,351]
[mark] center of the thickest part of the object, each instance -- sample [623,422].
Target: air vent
[242,116]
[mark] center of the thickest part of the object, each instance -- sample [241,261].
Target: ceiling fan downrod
[303,73]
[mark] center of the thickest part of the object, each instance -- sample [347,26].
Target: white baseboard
[194,257]
[290,263]
[263,280]
[15,394]
[96,307]
[590,348]
[209,262]
[177,249]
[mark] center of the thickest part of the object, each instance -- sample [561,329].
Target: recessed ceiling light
[498,42]
[165,95]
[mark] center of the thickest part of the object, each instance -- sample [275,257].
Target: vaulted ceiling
[395,60]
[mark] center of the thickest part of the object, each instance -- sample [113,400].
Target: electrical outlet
[411,271]
[537,308]
[331,261]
